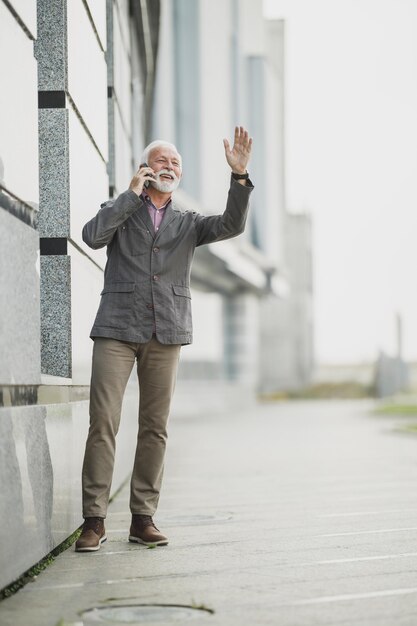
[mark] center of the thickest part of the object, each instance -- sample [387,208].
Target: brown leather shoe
[143,530]
[92,536]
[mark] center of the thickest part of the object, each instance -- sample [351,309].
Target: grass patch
[400,408]
[397,409]
[409,428]
[31,574]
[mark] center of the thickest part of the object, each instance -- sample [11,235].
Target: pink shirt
[156,215]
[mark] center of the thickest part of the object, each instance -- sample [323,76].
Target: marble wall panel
[54,176]
[56,315]
[26,490]
[19,302]
[19,110]
[87,73]
[41,477]
[50,48]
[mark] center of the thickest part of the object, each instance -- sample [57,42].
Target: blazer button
[155,277]
[149,306]
[156,249]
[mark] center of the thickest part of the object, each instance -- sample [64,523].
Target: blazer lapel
[144,216]
[168,217]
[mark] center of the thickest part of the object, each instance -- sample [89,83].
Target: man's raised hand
[238,156]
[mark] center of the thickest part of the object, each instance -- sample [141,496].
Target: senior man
[145,316]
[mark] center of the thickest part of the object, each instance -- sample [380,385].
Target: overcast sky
[351,140]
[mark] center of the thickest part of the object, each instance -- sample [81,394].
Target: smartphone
[147,182]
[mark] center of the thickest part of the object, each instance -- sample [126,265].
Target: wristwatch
[244,176]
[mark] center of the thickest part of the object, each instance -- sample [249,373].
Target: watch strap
[244,176]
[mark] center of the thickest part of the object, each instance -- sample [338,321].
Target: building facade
[101,80]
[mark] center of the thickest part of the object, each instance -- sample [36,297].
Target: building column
[51,51]
[73,155]
[241,336]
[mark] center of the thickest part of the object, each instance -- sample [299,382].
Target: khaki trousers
[113,362]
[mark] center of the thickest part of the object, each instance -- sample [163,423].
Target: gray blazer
[147,274]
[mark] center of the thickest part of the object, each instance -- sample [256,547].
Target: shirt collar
[146,198]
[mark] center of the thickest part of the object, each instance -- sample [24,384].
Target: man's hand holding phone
[142,178]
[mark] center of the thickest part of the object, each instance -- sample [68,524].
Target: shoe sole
[161,542]
[93,548]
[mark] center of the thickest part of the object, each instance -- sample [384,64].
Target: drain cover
[138,613]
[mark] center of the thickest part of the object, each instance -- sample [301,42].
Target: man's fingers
[237,136]
[146,171]
[142,176]
[244,136]
[241,139]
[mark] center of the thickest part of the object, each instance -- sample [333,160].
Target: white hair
[156,144]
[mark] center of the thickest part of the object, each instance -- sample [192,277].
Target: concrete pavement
[289,514]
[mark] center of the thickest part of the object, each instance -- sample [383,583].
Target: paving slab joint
[30,575]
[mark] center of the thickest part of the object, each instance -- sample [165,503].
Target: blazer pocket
[135,240]
[118,288]
[181,290]
[182,306]
[115,310]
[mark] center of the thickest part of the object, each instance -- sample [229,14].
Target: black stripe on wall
[51,99]
[53,245]
[18,395]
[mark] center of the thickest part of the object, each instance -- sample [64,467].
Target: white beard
[165,186]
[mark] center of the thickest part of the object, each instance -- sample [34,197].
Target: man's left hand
[238,156]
